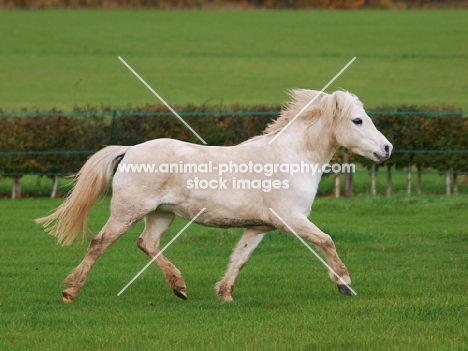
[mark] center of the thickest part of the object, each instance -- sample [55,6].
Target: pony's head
[354,129]
[349,124]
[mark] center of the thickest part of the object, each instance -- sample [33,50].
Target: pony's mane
[325,105]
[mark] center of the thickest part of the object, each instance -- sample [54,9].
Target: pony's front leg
[242,252]
[308,231]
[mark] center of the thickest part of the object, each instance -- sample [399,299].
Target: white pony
[166,191]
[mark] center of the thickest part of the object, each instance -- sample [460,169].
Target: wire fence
[432,141]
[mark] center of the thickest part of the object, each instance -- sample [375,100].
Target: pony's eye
[357,121]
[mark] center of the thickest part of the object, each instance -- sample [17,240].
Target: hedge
[57,143]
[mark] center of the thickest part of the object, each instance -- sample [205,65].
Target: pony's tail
[92,182]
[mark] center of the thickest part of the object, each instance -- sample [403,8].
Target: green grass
[407,257]
[60,58]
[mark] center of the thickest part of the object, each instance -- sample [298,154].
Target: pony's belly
[216,220]
[227,222]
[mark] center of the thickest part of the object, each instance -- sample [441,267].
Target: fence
[426,139]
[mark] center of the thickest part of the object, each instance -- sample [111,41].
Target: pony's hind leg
[156,224]
[112,230]
[241,254]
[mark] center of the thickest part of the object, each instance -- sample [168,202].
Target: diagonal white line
[160,252]
[312,250]
[162,100]
[311,101]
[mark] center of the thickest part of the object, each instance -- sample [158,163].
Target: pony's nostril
[387,148]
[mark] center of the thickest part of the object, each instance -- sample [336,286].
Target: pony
[160,193]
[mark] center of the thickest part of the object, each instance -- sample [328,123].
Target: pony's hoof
[227,298]
[180,293]
[224,292]
[344,290]
[66,297]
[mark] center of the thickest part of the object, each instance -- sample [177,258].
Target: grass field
[407,257]
[61,58]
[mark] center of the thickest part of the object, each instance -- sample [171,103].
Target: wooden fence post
[337,185]
[408,179]
[53,194]
[447,184]
[16,187]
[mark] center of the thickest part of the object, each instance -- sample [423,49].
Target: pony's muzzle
[387,150]
[384,153]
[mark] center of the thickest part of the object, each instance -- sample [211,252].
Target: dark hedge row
[59,143]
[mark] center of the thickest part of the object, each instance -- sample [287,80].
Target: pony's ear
[333,104]
[338,97]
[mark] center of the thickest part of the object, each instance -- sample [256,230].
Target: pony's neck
[313,143]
